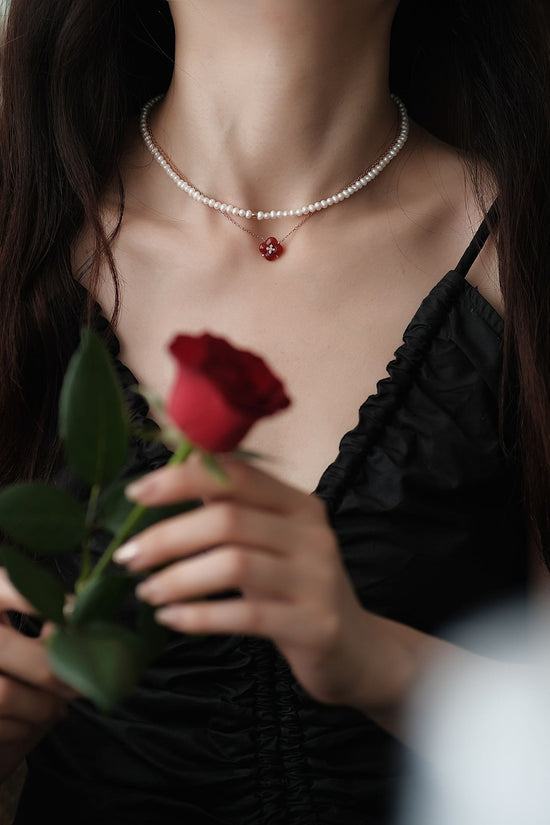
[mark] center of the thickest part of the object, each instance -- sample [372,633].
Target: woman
[289,710]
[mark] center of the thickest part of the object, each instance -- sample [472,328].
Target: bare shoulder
[447,206]
[484,275]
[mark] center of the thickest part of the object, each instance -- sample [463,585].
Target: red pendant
[270,249]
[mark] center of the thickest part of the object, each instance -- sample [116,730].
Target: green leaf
[93,420]
[114,509]
[100,599]
[37,585]
[42,517]
[101,660]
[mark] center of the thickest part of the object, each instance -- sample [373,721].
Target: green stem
[88,526]
[182,453]
[92,506]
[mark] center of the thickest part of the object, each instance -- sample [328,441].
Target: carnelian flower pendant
[270,249]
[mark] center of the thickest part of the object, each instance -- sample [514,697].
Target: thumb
[11,598]
[47,630]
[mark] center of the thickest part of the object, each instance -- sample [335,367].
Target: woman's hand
[271,542]
[31,697]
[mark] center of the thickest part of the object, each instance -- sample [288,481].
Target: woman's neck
[277,102]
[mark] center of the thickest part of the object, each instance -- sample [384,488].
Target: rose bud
[220,391]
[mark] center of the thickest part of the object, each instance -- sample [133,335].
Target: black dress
[427,509]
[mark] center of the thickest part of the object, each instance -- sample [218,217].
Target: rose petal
[220,391]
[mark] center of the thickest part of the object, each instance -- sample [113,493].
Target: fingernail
[139,488]
[126,552]
[167,615]
[146,589]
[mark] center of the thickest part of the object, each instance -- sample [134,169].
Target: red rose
[220,391]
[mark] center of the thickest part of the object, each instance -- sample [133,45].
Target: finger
[14,730]
[208,526]
[245,617]
[47,630]
[10,598]
[26,659]
[248,484]
[226,568]
[20,702]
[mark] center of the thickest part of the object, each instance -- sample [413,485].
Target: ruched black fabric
[428,513]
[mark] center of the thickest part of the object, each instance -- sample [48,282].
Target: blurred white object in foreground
[482,727]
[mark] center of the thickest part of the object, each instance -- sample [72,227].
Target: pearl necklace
[271,248]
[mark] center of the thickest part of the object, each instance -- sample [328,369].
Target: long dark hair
[74,71]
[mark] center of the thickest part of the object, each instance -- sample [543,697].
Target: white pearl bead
[358,184]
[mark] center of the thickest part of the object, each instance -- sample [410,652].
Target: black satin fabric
[428,515]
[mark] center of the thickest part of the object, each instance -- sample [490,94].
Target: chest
[329,346]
